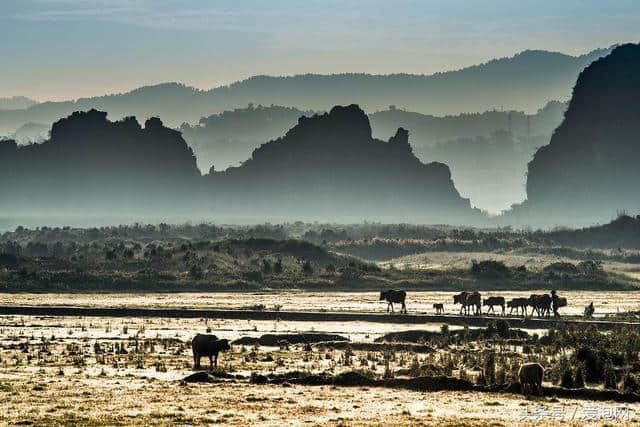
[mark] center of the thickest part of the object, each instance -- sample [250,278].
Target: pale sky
[65,49]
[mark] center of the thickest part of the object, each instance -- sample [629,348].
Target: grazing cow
[397,297]
[530,376]
[207,345]
[469,299]
[518,304]
[439,308]
[541,304]
[493,301]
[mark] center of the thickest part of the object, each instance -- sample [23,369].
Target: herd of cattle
[472,303]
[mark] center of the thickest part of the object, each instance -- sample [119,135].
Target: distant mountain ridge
[16,103]
[525,82]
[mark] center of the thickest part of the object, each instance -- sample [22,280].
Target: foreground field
[118,400]
[110,371]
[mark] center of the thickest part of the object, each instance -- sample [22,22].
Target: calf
[439,308]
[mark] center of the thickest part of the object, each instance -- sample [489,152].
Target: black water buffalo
[530,376]
[439,308]
[493,301]
[518,304]
[397,297]
[469,299]
[541,304]
[207,345]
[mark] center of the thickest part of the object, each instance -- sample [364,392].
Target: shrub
[350,273]
[490,368]
[630,383]
[561,268]
[503,328]
[307,268]
[490,268]
[590,267]
[254,276]
[277,266]
[195,272]
[578,381]
[592,361]
[128,253]
[266,266]
[8,260]
[563,373]
[609,376]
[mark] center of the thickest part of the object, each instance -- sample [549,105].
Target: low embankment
[312,316]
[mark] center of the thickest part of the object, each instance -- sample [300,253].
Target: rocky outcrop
[328,167]
[93,165]
[589,171]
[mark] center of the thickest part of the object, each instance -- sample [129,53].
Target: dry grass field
[117,371]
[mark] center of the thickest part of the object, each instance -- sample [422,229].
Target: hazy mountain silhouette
[329,167]
[428,130]
[16,103]
[590,171]
[525,82]
[92,165]
[485,167]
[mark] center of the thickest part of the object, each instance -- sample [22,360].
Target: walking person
[554,303]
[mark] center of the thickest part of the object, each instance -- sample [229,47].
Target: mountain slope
[525,81]
[329,167]
[589,171]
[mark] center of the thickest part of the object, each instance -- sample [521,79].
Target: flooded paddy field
[418,302]
[110,371]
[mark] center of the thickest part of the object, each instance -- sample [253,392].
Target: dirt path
[312,316]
